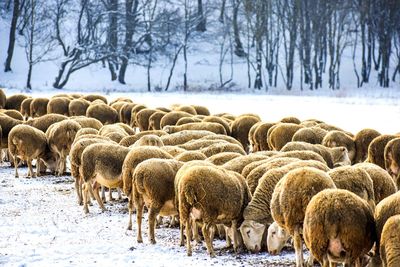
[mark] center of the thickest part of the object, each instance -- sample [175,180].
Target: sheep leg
[235,237]
[182,239]
[139,214]
[130,208]
[78,189]
[85,199]
[206,234]
[152,223]
[188,237]
[16,167]
[38,167]
[298,247]
[95,192]
[30,172]
[228,239]
[119,194]
[110,197]
[310,261]
[195,230]
[103,194]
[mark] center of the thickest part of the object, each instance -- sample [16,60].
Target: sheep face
[340,156]
[252,233]
[276,238]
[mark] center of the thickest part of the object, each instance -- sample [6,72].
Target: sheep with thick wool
[290,199]
[281,134]
[339,138]
[362,140]
[312,135]
[104,113]
[392,159]
[78,107]
[202,126]
[240,129]
[390,242]
[338,227]
[58,105]
[376,149]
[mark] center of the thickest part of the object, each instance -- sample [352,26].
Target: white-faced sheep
[44,122]
[240,129]
[75,154]
[384,185]
[281,134]
[104,113]
[362,140]
[26,108]
[390,242]
[78,107]
[102,164]
[14,101]
[312,135]
[392,159]
[153,186]
[338,227]
[199,193]
[257,214]
[339,138]
[27,143]
[355,180]
[134,157]
[376,149]
[335,156]
[290,199]
[58,105]
[60,137]
[38,107]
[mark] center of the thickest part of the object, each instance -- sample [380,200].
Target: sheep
[85,131]
[116,128]
[335,156]
[355,180]
[60,137]
[153,185]
[281,134]
[78,107]
[134,111]
[26,108]
[222,137]
[390,242]
[251,166]
[220,121]
[240,128]
[125,112]
[102,164]
[58,105]
[290,120]
[202,126]
[197,144]
[186,120]
[130,140]
[384,185]
[92,98]
[376,149]
[187,109]
[6,124]
[328,127]
[3,99]
[338,227]
[339,138]
[44,122]
[260,136]
[310,123]
[222,147]
[142,118]
[190,156]
[184,136]
[171,118]
[255,175]
[237,164]
[312,135]
[291,197]
[173,150]
[118,106]
[15,114]
[201,110]
[222,158]
[149,140]
[104,113]
[134,157]
[14,101]
[27,143]
[120,99]
[301,154]
[86,122]
[252,143]
[362,140]
[75,154]
[155,119]
[199,194]
[38,107]
[392,159]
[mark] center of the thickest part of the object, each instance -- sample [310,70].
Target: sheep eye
[273,233]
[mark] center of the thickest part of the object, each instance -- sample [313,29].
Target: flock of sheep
[257,184]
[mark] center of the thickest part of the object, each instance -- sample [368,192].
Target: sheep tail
[138,181]
[190,195]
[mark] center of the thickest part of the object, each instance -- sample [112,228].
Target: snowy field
[42,225]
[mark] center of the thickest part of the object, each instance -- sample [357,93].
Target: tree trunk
[239,51]
[11,43]
[201,25]
[113,37]
[222,12]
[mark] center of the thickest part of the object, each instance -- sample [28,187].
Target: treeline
[284,41]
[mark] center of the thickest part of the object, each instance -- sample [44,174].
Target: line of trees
[288,42]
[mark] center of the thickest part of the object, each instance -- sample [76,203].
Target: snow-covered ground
[41,223]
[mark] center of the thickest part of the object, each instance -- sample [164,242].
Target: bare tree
[11,40]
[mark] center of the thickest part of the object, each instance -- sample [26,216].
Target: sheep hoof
[140,241]
[212,255]
[129,228]
[85,210]
[153,241]
[189,253]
